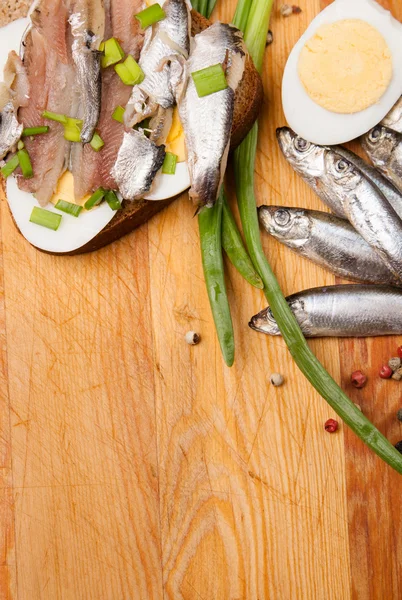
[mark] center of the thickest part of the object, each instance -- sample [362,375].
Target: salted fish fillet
[207,121]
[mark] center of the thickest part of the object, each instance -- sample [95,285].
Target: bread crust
[249,98]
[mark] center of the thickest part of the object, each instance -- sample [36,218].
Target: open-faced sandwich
[110,109]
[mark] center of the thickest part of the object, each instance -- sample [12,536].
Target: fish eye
[375,134]
[301,144]
[342,165]
[282,217]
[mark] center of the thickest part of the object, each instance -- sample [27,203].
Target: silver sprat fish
[393,120]
[164,41]
[15,92]
[207,121]
[384,148]
[328,241]
[393,195]
[341,311]
[138,161]
[10,129]
[340,184]
[88,28]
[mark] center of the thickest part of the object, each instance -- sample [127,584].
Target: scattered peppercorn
[399,351]
[270,38]
[397,375]
[286,10]
[331,425]
[296,9]
[276,379]
[394,363]
[358,379]
[193,338]
[399,414]
[398,446]
[386,372]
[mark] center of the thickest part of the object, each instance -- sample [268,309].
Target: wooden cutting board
[135,467]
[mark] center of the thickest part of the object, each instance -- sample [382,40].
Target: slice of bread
[249,97]
[10,10]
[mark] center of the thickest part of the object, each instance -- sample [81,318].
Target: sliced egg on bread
[305,115]
[74,233]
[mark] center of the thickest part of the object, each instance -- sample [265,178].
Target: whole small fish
[384,148]
[328,241]
[138,161]
[393,195]
[207,121]
[10,129]
[165,40]
[393,120]
[345,189]
[341,311]
[88,29]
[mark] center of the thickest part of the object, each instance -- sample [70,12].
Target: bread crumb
[12,10]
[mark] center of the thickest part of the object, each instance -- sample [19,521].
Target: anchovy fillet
[393,120]
[328,241]
[341,311]
[384,148]
[207,121]
[138,161]
[343,187]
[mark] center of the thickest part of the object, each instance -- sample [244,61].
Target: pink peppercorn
[386,372]
[358,379]
[331,425]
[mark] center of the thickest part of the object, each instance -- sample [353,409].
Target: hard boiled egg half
[345,73]
[74,233]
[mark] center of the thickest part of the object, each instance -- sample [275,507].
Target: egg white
[73,232]
[321,126]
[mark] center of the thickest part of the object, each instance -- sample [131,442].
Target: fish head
[340,174]
[264,322]
[379,143]
[306,158]
[289,225]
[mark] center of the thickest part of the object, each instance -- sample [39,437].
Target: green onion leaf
[113,200]
[169,164]
[10,166]
[130,71]
[118,114]
[210,80]
[150,15]
[20,145]
[25,163]
[55,117]
[30,131]
[95,199]
[114,53]
[102,47]
[97,143]
[69,208]
[45,218]
[72,130]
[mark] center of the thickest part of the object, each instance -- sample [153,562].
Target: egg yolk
[346,66]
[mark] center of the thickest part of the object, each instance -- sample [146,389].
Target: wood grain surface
[136,467]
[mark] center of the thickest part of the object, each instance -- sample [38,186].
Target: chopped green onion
[130,71]
[30,131]
[210,80]
[102,47]
[113,53]
[118,114]
[10,166]
[25,164]
[150,15]
[169,164]
[45,218]
[20,145]
[69,208]
[95,199]
[55,117]
[113,200]
[72,130]
[97,143]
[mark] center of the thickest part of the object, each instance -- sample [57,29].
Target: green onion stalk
[255,34]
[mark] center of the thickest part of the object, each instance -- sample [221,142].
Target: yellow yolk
[175,142]
[65,190]
[346,66]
